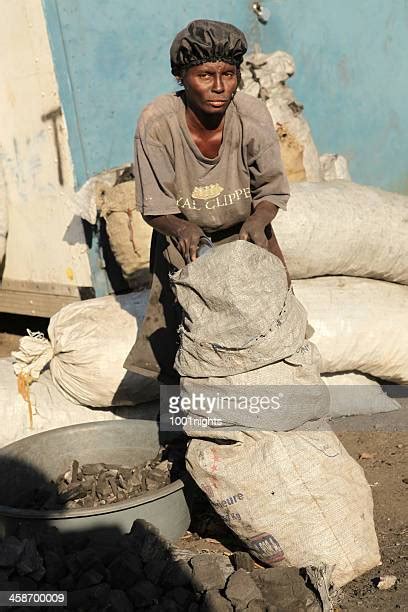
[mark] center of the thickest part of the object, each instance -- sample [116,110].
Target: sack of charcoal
[272,469]
[88,344]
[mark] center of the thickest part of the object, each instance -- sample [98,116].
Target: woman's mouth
[217,103]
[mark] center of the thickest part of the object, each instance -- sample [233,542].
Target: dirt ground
[379,444]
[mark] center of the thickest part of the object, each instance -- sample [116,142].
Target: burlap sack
[239,313]
[295,498]
[339,227]
[129,235]
[89,342]
[359,324]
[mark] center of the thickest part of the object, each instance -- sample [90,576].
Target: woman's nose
[218,84]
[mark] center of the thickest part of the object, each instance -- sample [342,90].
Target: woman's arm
[187,234]
[258,229]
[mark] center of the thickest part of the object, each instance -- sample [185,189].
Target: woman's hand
[188,236]
[253,230]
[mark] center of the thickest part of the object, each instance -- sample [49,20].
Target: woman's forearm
[169,225]
[266,212]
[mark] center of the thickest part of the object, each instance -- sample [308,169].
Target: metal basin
[31,462]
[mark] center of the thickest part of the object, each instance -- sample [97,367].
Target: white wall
[46,241]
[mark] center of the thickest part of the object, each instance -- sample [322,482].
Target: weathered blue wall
[111,58]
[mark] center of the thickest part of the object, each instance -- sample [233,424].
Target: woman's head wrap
[207,41]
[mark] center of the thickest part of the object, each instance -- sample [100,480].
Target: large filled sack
[339,227]
[49,407]
[359,324]
[88,344]
[295,498]
[243,334]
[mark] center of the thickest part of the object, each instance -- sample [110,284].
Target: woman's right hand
[185,233]
[188,237]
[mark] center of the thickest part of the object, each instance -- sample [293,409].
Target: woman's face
[210,87]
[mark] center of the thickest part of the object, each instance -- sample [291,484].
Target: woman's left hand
[253,230]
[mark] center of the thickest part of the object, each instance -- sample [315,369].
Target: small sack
[89,342]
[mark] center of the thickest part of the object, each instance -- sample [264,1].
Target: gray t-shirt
[173,176]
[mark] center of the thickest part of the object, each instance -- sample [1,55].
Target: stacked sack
[348,247]
[278,476]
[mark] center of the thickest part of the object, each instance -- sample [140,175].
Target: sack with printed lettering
[294,498]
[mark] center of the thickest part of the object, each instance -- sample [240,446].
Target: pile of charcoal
[140,570]
[97,484]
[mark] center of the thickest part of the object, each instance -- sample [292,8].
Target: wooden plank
[34,304]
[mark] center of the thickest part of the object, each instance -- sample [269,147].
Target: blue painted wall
[111,58]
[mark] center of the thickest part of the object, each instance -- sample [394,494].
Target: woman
[207,162]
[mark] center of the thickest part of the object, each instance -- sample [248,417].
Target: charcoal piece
[154,548]
[125,472]
[91,469]
[241,589]
[30,560]
[82,560]
[207,574]
[140,528]
[119,601]
[144,593]
[102,487]
[55,567]
[283,587]
[177,573]
[10,551]
[125,570]
[74,471]
[67,583]
[106,553]
[113,486]
[154,569]
[152,485]
[111,474]
[215,602]
[122,482]
[225,565]
[90,578]
[74,491]
[86,599]
[242,560]
[182,596]
[76,542]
